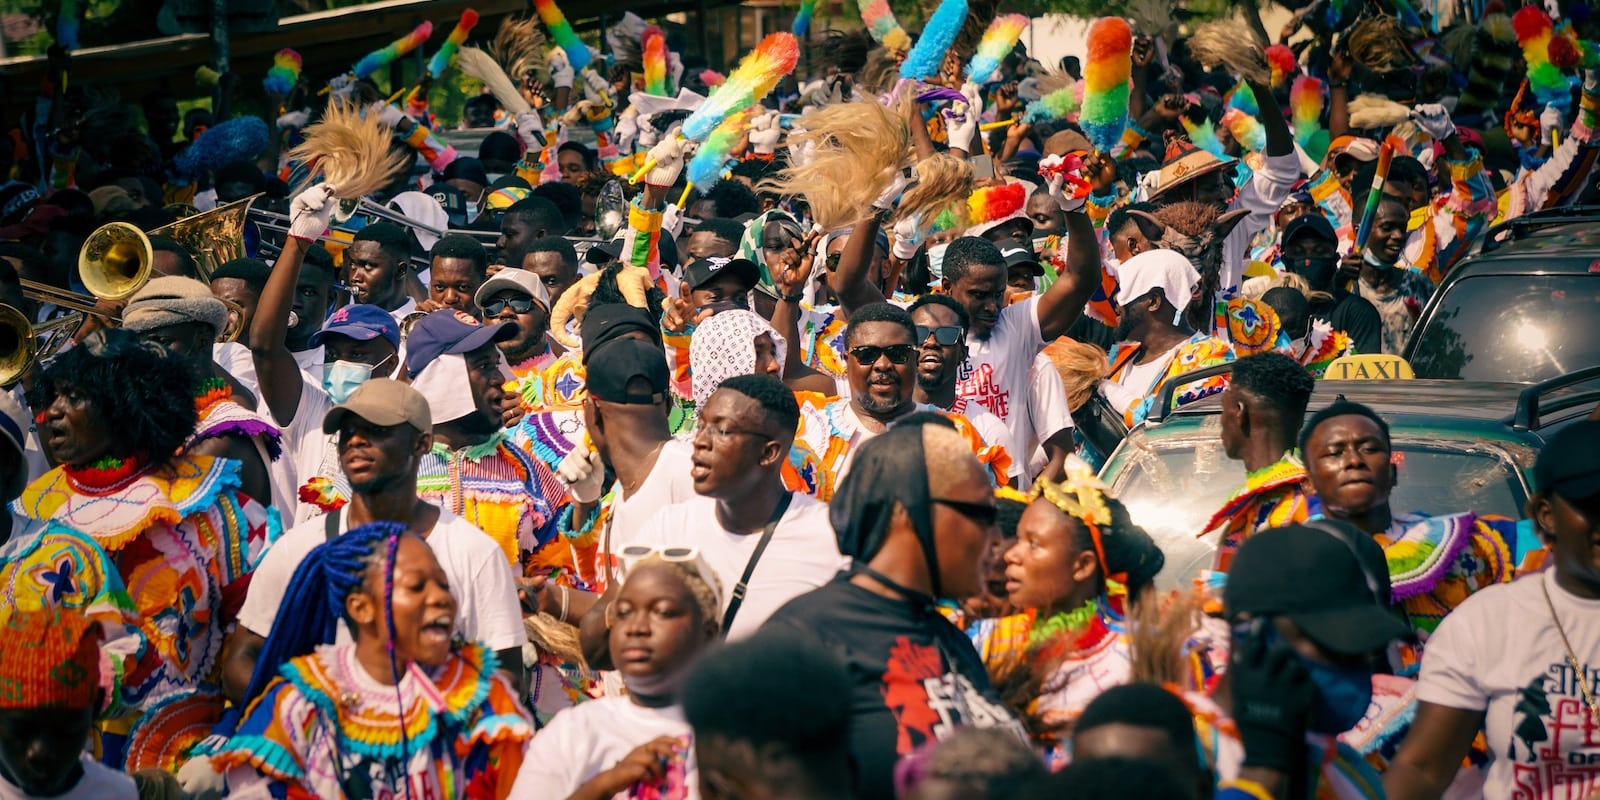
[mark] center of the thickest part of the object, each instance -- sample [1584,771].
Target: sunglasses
[869,354]
[944,335]
[494,307]
[831,261]
[982,513]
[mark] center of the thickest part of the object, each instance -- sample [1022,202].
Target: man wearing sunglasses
[518,296]
[941,335]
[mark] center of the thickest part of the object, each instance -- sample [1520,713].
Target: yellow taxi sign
[1369,367]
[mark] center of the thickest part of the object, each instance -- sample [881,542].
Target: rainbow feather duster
[655,61]
[284,73]
[383,57]
[1537,37]
[1243,119]
[1106,75]
[447,52]
[802,18]
[561,30]
[995,45]
[1282,62]
[755,77]
[995,202]
[934,43]
[880,22]
[711,160]
[1204,136]
[1059,104]
[1305,110]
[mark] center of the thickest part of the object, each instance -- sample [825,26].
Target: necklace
[1572,657]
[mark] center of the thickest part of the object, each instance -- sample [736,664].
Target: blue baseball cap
[450,332]
[360,322]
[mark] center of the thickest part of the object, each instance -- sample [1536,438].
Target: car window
[1173,489]
[1520,328]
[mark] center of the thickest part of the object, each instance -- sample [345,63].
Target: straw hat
[1184,163]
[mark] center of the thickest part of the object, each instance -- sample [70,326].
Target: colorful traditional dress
[1319,347]
[220,416]
[830,431]
[326,729]
[499,488]
[1275,495]
[1441,231]
[1199,351]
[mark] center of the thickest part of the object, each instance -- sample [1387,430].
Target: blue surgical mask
[341,378]
[1343,695]
[936,261]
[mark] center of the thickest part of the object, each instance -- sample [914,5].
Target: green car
[1464,445]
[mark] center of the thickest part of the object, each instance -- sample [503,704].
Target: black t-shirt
[917,677]
[1355,316]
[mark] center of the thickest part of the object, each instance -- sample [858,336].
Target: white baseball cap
[1169,270]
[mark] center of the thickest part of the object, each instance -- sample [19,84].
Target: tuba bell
[16,345]
[213,237]
[115,261]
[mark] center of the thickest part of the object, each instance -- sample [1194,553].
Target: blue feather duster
[928,54]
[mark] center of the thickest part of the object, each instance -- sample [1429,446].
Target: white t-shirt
[992,430]
[236,359]
[313,453]
[1500,651]
[487,608]
[803,554]
[997,371]
[99,782]
[1048,412]
[1136,381]
[669,482]
[592,737]
[309,360]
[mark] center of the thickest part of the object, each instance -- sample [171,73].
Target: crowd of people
[716,434]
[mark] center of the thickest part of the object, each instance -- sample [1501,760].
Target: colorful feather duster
[995,45]
[284,73]
[1243,119]
[1204,136]
[1535,35]
[711,160]
[802,18]
[1305,110]
[387,54]
[880,22]
[991,203]
[934,43]
[755,77]
[655,61]
[1106,74]
[447,52]
[1281,60]
[350,151]
[1059,104]
[561,30]
[712,78]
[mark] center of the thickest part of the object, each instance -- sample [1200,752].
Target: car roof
[1471,400]
[1560,241]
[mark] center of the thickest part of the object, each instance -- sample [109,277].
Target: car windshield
[1519,328]
[1434,478]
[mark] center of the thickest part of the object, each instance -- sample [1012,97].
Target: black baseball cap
[618,362]
[1016,253]
[1329,578]
[701,272]
[1569,464]
[608,321]
[1313,224]
[602,253]
[466,168]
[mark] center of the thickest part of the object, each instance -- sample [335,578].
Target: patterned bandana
[51,660]
[724,347]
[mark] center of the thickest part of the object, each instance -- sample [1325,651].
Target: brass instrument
[610,211]
[23,344]
[235,327]
[410,321]
[45,293]
[115,261]
[213,237]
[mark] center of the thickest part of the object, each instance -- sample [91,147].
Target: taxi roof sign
[1369,367]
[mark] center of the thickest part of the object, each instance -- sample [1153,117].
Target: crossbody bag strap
[737,598]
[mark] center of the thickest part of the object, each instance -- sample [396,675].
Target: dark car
[1524,308]
[1463,445]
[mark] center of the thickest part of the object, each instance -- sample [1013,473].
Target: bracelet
[1338,85]
[791,298]
[566,601]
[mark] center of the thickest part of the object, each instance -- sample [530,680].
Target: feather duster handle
[284,73]
[1281,60]
[447,52]
[711,160]
[802,18]
[480,65]
[655,61]
[937,36]
[996,44]
[349,151]
[755,77]
[1059,104]
[387,55]
[880,22]
[1204,136]
[561,30]
[1106,77]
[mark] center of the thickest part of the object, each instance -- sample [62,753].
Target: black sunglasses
[982,513]
[944,335]
[869,354]
[494,307]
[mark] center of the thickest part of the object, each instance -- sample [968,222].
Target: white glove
[200,780]
[675,68]
[668,155]
[310,212]
[1056,185]
[1550,124]
[907,238]
[294,120]
[961,119]
[1434,120]
[627,131]
[582,472]
[342,86]
[891,193]
[596,88]
[387,114]
[530,129]
[801,154]
[561,73]
[765,133]
[672,220]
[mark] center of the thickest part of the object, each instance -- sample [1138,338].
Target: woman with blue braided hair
[402,711]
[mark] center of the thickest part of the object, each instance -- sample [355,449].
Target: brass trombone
[23,344]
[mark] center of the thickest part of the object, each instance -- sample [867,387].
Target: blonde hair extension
[349,151]
[859,146]
[1159,638]
[1081,366]
[1230,44]
[943,182]
[550,635]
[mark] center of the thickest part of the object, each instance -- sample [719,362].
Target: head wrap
[51,660]
[725,346]
[889,470]
[174,300]
[754,239]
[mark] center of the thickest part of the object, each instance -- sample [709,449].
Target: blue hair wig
[240,138]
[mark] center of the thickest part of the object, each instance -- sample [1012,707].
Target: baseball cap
[701,272]
[1569,464]
[609,321]
[382,401]
[1313,224]
[448,331]
[466,168]
[1326,577]
[361,322]
[1169,270]
[512,278]
[16,198]
[1356,147]
[452,200]
[14,435]
[499,151]
[617,362]
[424,209]
[1016,253]
[605,252]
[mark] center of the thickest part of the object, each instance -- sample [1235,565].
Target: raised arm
[281,383]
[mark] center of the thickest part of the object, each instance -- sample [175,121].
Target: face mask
[1177,317]
[936,261]
[1343,694]
[1317,270]
[341,378]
